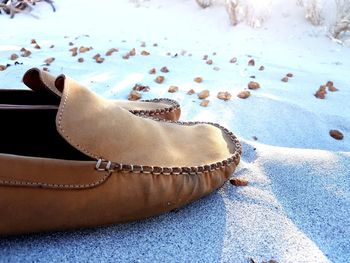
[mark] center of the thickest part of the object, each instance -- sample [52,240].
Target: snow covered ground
[297,205]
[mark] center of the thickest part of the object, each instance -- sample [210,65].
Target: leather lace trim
[109,166]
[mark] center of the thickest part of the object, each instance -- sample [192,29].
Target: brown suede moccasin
[44,92]
[93,163]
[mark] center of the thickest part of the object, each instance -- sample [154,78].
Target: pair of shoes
[72,159]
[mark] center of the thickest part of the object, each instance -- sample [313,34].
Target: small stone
[33,41]
[191,92]
[251,62]
[14,57]
[205,57]
[214,53]
[155,45]
[134,95]
[253,85]
[320,94]
[143,44]
[255,138]
[83,49]
[332,89]
[238,182]
[198,79]
[233,60]
[152,71]
[173,89]
[126,56]
[159,79]
[216,68]
[204,103]
[330,83]
[164,70]
[336,134]
[74,51]
[46,69]
[48,61]
[168,54]
[2,67]
[71,44]
[132,52]
[37,46]
[140,87]
[99,60]
[224,95]
[290,75]
[252,77]
[25,52]
[285,79]
[203,94]
[243,94]
[80,60]
[52,46]
[209,62]
[145,53]
[96,56]
[261,68]
[111,51]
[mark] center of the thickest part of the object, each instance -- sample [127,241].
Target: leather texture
[48,193]
[48,89]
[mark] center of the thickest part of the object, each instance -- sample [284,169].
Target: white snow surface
[296,207]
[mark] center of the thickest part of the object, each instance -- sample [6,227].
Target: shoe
[44,92]
[92,163]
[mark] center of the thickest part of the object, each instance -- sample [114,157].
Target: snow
[297,205]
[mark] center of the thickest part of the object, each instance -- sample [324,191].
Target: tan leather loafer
[44,92]
[93,163]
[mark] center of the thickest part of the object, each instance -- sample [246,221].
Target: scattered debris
[203,94]
[330,86]
[204,103]
[198,79]
[160,79]
[253,85]
[14,56]
[37,46]
[48,61]
[25,52]
[80,60]
[243,94]
[205,57]
[126,56]
[290,75]
[209,62]
[33,41]
[261,68]
[152,71]
[285,79]
[145,53]
[111,51]
[238,182]
[336,134]
[134,95]
[132,52]
[74,51]
[321,92]
[140,87]
[224,95]
[251,62]
[164,70]
[191,92]
[173,89]
[83,49]
[233,60]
